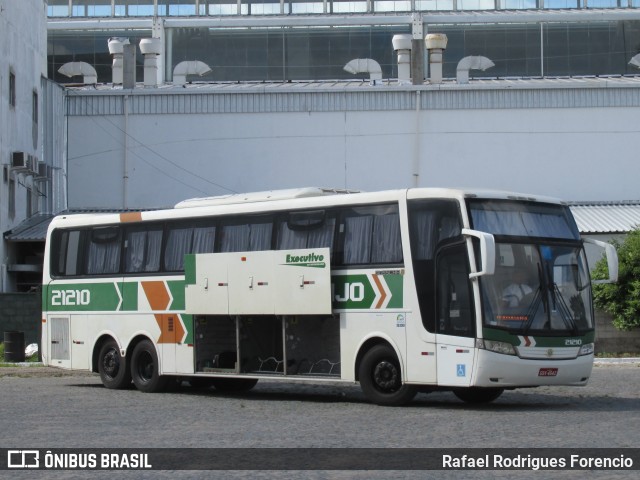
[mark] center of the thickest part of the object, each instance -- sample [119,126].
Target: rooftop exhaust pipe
[436,43]
[116,48]
[73,69]
[471,63]
[151,48]
[190,67]
[402,46]
[365,65]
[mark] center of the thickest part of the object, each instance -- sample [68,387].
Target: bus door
[59,341]
[455,319]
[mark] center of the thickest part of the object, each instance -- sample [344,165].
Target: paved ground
[50,408]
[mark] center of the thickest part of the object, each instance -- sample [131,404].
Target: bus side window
[64,252]
[454,306]
[182,240]
[103,254]
[143,249]
[432,223]
[371,236]
[246,235]
[313,229]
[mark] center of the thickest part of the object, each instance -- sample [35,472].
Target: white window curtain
[143,251]
[386,243]
[357,240]
[178,244]
[290,239]
[204,240]
[246,238]
[260,237]
[104,257]
[319,237]
[235,238]
[423,226]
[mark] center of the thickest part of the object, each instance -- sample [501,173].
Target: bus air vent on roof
[266,196]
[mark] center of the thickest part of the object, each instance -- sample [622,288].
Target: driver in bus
[513,294]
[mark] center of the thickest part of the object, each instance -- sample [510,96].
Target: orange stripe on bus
[383,294]
[157,295]
[171,330]
[131,217]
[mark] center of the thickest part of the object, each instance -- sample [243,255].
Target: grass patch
[32,359]
[617,355]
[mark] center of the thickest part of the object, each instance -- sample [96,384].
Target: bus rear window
[64,252]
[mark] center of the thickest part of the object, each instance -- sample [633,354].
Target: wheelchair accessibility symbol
[461,369]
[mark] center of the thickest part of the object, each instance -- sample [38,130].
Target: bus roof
[282,200]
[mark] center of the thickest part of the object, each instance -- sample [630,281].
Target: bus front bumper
[506,371]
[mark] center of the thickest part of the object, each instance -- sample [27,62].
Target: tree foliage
[621,299]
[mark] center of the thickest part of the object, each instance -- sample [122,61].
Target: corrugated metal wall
[280,100]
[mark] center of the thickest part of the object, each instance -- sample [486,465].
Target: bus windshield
[541,282]
[523,219]
[538,288]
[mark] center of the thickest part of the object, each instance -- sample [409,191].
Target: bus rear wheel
[478,395]
[381,377]
[144,368]
[112,367]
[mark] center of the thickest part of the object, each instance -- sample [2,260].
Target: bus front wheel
[112,366]
[144,368]
[381,377]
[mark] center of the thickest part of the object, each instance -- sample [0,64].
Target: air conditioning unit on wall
[20,162]
[43,172]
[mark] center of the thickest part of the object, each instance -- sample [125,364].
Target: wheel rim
[145,366]
[111,363]
[386,376]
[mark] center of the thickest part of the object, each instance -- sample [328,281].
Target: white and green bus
[402,291]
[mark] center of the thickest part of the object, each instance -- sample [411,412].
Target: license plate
[548,372]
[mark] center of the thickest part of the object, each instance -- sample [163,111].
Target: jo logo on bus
[370,291]
[350,292]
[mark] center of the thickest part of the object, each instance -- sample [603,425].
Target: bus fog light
[586,349]
[499,347]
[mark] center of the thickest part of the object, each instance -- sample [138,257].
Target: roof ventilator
[189,67]
[73,69]
[402,46]
[365,65]
[116,48]
[474,62]
[151,48]
[436,43]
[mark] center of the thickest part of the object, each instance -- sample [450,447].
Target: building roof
[33,229]
[606,217]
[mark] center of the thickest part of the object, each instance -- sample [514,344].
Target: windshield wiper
[565,312]
[531,312]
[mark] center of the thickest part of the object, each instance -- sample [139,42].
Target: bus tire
[478,395]
[112,367]
[381,377]
[234,384]
[144,368]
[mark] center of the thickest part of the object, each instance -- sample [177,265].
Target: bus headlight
[497,347]
[586,349]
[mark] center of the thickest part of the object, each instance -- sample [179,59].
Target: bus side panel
[80,344]
[358,327]
[421,352]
